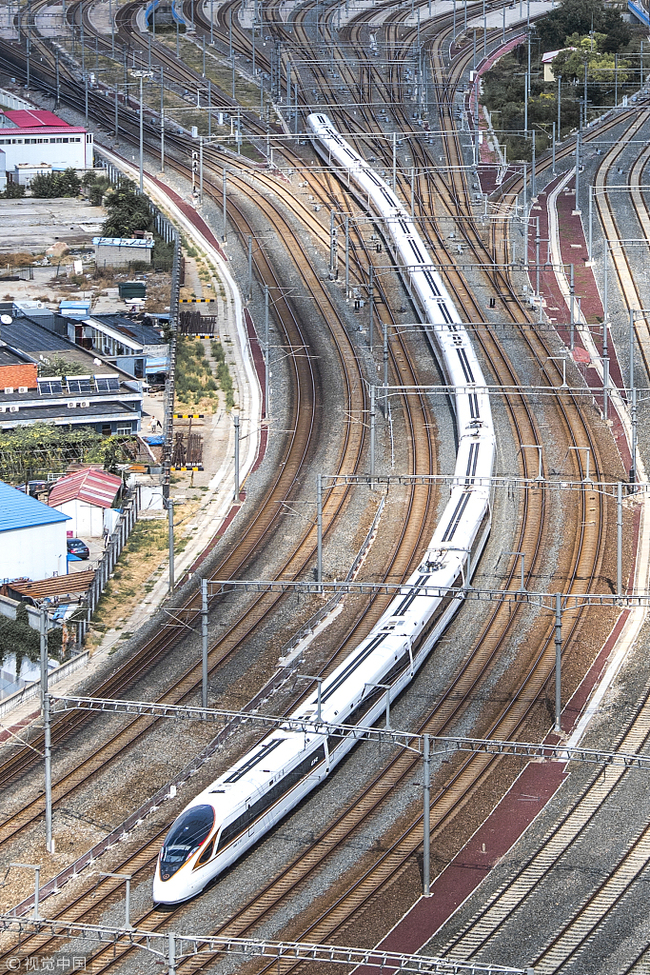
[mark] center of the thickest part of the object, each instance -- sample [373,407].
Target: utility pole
[204,643]
[47,740]
[141,75]
[235,415]
[170,514]
[162,120]
[224,235]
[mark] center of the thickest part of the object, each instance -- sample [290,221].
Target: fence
[114,545]
[33,690]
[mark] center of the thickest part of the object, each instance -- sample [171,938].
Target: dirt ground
[30,227]
[34,225]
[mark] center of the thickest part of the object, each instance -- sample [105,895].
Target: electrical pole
[47,741]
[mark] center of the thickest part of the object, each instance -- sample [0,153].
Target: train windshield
[185,837]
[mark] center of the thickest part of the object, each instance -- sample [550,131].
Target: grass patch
[195,383]
[137,569]
[147,536]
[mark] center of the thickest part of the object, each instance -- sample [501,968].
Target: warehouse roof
[18,510]
[95,487]
[40,119]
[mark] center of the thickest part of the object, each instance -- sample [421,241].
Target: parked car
[79,548]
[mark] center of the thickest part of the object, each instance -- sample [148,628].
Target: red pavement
[15,729]
[526,798]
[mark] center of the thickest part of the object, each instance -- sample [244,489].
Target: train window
[184,838]
[283,785]
[206,855]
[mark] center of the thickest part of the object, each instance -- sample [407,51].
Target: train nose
[174,889]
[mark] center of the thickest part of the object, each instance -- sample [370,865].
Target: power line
[412,741]
[544,600]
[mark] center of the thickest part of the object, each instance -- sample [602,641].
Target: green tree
[601,67]
[111,452]
[617,33]
[68,182]
[17,636]
[572,16]
[30,451]
[128,211]
[96,187]
[13,191]
[58,365]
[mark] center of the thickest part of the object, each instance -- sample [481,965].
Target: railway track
[531,516]
[617,249]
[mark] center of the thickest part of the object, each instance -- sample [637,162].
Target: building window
[123,428]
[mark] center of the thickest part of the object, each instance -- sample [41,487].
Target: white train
[230,815]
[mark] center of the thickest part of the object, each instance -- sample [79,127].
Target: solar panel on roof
[79,384]
[52,386]
[107,384]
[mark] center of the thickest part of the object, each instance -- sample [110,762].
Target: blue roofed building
[33,537]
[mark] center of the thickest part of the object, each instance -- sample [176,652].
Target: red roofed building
[38,140]
[84,496]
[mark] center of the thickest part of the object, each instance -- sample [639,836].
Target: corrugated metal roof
[74,582]
[95,487]
[18,510]
[25,118]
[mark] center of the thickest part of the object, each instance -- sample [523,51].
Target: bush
[217,351]
[56,185]
[163,254]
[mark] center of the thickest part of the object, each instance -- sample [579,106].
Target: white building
[33,537]
[35,138]
[86,496]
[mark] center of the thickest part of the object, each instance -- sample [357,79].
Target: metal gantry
[172,949]
[413,741]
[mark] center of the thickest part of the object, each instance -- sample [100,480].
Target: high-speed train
[224,820]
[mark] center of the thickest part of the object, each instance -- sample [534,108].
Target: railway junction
[533,865]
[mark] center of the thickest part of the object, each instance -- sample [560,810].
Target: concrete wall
[34,553]
[112,255]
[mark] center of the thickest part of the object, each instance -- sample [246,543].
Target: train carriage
[230,815]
